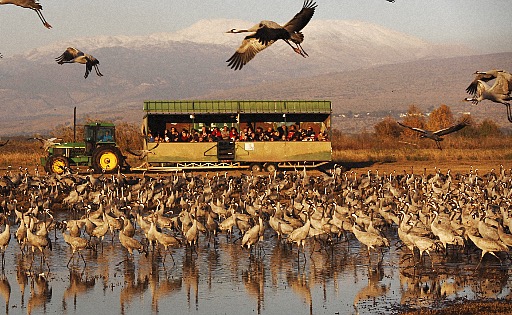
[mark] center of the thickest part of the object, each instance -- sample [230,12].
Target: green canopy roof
[237,107]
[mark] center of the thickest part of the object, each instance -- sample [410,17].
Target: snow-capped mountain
[188,63]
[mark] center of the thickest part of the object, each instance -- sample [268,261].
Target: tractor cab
[99,134]
[99,151]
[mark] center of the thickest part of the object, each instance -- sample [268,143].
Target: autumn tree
[488,128]
[387,128]
[414,118]
[440,118]
[471,130]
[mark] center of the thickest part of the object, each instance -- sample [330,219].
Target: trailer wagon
[202,134]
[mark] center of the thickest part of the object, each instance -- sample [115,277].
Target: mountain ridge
[189,63]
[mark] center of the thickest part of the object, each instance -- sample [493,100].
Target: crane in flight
[265,33]
[499,92]
[47,143]
[29,4]
[437,135]
[73,55]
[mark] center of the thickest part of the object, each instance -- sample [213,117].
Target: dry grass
[363,151]
[422,155]
[502,307]
[21,152]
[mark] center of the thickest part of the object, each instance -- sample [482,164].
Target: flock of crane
[429,213]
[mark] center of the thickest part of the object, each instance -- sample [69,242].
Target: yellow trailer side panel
[279,151]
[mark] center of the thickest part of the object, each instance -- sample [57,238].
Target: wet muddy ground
[223,278]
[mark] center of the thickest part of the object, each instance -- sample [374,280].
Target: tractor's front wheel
[106,159]
[56,164]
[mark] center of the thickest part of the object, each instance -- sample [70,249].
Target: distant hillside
[390,89]
[37,93]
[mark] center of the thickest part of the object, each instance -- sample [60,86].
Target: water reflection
[191,279]
[79,284]
[40,294]
[375,287]
[300,285]
[5,291]
[162,287]
[133,287]
[21,277]
[227,279]
[254,281]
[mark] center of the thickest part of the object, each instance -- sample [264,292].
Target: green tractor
[99,151]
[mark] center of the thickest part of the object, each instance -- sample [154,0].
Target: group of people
[248,133]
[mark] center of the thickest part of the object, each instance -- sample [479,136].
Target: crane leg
[296,49]
[509,112]
[41,17]
[479,262]
[303,51]
[70,259]
[85,264]
[97,71]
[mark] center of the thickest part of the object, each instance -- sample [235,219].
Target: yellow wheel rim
[58,166]
[108,161]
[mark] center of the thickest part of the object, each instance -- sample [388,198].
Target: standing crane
[73,55]
[5,237]
[499,92]
[486,245]
[300,234]
[266,33]
[29,4]
[77,244]
[436,135]
[40,242]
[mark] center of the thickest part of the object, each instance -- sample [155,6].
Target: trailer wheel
[270,167]
[56,164]
[256,167]
[106,159]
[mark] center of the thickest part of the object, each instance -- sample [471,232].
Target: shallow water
[226,279]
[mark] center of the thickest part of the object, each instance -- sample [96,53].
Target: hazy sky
[485,26]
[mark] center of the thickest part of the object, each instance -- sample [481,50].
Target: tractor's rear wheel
[56,164]
[106,159]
